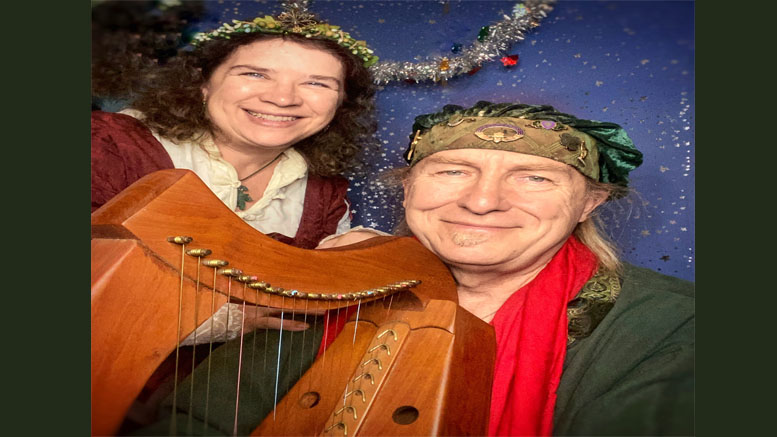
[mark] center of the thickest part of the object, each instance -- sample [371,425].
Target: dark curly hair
[171,101]
[129,37]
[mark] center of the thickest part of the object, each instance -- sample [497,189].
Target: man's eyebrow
[539,167]
[443,160]
[517,167]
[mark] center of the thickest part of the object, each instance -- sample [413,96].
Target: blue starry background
[628,62]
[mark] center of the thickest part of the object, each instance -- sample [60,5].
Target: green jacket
[634,375]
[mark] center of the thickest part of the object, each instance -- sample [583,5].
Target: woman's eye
[255,74]
[319,84]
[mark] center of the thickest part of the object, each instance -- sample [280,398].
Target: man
[506,195]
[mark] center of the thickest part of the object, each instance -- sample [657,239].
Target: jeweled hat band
[545,138]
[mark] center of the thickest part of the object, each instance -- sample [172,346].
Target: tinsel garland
[499,39]
[492,44]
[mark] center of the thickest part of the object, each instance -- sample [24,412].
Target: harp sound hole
[405,415]
[309,399]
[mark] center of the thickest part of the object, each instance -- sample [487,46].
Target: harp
[166,251]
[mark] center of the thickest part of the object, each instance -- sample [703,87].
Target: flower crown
[292,21]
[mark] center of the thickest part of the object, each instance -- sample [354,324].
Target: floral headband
[296,21]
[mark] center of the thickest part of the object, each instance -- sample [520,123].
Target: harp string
[226,326]
[334,417]
[347,404]
[352,389]
[313,350]
[356,325]
[194,349]
[173,430]
[302,347]
[337,321]
[239,363]
[388,310]
[327,321]
[253,353]
[278,364]
[291,347]
[324,340]
[210,352]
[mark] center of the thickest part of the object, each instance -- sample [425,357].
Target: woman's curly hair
[131,37]
[171,101]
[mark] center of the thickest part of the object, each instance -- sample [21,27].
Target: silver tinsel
[295,5]
[501,37]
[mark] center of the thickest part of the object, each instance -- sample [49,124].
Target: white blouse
[280,207]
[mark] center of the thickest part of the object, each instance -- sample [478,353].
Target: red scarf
[523,395]
[334,322]
[531,343]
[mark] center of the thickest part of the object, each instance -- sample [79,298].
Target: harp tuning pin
[180,239]
[274,290]
[215,263]
[246,278]
[231,272]
[258,285]
[199,253]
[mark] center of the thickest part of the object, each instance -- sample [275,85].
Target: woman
[268,121]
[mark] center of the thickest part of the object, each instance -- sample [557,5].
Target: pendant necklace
[242,190]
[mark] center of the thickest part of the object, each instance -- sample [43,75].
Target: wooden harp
[149,293]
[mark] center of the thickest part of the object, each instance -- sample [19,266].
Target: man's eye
[537,179]
[451,172]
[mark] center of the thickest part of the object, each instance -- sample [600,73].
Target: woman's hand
[348,238]
[270,318]
[256,317]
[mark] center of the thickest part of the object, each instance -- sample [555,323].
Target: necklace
[242,190]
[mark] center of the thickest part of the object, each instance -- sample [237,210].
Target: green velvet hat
[599,150]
